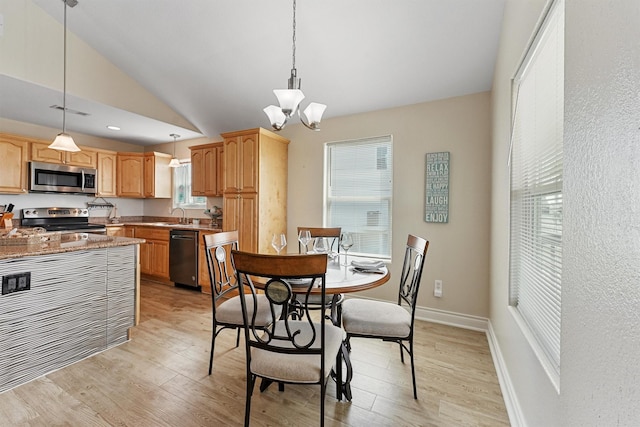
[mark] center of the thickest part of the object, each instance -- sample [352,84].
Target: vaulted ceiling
[216,62]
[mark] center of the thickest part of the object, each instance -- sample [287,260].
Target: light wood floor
[159,378]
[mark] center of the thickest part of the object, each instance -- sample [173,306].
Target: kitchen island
[63,301]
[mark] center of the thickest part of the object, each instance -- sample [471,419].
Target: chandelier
[63,141]
[290,99]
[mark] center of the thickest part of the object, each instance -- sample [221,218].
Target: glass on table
[304,237]
[346,242]
[321,245]
[279,241]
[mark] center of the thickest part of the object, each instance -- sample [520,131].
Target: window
[358,192]
[182,197]
[536,191]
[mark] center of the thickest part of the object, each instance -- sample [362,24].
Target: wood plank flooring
[159,378]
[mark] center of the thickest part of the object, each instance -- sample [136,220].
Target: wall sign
[437,187]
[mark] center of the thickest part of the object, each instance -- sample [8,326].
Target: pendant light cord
[64,72]
[294,34]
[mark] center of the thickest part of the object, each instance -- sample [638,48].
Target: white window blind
[536,189]
[182,197]
[358,192]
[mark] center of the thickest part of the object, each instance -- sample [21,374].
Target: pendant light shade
[63,141]
[290,98]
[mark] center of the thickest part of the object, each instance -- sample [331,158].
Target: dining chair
[332,234]
[391,321]
[291,350]
[225,302]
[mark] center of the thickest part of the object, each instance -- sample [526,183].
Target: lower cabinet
[203,267]
[154,253]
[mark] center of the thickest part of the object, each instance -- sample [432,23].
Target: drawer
[152,233]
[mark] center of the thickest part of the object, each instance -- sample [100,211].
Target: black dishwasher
[183,257]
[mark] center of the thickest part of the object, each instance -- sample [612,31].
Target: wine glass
[321,245]
[346,242]
[278,241]
[304,237]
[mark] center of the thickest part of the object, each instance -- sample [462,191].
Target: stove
[65,220]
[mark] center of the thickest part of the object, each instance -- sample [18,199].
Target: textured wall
[80,303]
[601,287]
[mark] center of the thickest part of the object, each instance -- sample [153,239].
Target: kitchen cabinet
[13,152]
[120,230]
[203,268]
[86,157]
[130,174]
[207,169]
[154,253]
[157,175]
[107,166]
[255,191]
[143,175]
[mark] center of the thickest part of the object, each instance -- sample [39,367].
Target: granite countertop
[171,225]
[68,243]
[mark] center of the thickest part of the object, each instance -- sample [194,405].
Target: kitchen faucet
[183,219]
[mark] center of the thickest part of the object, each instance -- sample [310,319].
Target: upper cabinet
[40,152]
[107,166]
[13,152]
[143,175]
[207,169]
[129,175]
[255,195]
[157,175]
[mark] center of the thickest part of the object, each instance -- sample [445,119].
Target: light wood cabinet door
[130,175]
[157,175]
[219,170]
[197,172]
[241,213]
[40,152]
[146,250]
[241,164]
[160,259]
[86,157]
[206,170]
[107,166]
[13,152]
[210,161]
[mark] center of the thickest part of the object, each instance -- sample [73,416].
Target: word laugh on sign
[437,187]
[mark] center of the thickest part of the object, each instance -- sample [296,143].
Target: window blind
[182,197]
[358,192]
[536,187]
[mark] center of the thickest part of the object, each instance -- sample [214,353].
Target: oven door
[54,178]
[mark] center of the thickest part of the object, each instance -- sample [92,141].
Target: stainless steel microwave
[56,178]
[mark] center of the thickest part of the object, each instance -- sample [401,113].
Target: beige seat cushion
[230,311]
[366,317]
[296,367]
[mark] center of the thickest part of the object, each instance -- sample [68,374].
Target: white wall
[458,251]
[600,381]
[600,372]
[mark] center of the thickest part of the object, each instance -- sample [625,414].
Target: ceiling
[216,62]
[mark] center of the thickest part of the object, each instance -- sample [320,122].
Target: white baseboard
[452,319]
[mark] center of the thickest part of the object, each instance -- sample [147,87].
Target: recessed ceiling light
[113,127]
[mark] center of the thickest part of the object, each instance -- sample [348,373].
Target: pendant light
[63,141]
[290,99]
[174,163]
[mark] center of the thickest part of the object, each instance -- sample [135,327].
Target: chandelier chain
[64,73]
[294,34]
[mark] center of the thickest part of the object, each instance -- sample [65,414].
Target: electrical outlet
[16,283]
[437,289]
